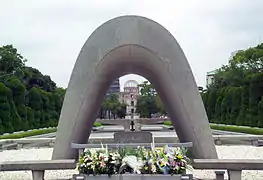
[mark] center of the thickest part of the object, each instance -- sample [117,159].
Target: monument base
[133,137]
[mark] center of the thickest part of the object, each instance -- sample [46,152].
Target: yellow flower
[179,157]
[153,168]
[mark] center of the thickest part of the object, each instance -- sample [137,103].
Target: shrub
[168,123]
[97,124]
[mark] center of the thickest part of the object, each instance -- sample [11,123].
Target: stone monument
[124,45]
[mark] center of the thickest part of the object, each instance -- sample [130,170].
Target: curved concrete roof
[132,44]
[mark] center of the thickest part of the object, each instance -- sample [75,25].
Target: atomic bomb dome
[129,97]
[131,83]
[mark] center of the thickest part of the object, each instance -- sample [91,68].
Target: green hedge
[28,133]
[97,124]
[35,132]
[241,129]
[168,123]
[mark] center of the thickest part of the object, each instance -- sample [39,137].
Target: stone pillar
[218,142]
[19,146]
[254,142]
[138,126]
[126,126]
[38,175]
[219,175]
[234,175]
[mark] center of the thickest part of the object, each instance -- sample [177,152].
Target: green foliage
[97,124]
[235,97]
[113,106]
[168,123]
[10,59]
[121,111]
[148,102]
[5,109]
[28,99]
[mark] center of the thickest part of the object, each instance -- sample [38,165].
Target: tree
[210,104]
[148,102]
[10,59]
[121,112]
[36,104]
[250,59]
[28,99]
[19,92]
[235,97]
[147,89]
[113,106]
[260,113]
[160,105]
[5,112]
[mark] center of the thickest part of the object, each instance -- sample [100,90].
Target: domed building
[129,97]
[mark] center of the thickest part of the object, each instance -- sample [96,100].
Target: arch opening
[152,53]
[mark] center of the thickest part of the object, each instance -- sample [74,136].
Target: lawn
[35,132]
[232,128]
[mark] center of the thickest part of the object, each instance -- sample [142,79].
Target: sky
[51,33]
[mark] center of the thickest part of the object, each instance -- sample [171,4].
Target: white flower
[86,150]
[134,163]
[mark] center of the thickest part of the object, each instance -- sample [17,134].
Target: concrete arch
[132,44]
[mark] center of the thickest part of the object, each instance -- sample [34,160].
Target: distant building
[210,77]
[129,97]
[114,88]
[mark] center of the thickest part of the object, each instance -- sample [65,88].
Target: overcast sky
[50,33]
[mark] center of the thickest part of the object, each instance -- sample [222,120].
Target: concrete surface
[224,152]
[133,137]
[38,167]
[220,138]
[231,164]
[159,137]
[124,45]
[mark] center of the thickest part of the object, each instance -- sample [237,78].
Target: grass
[168,123]
[35,132]
[28,133]
[241,129]
[97,124]
[232,128]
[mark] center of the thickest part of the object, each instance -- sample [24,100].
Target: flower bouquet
[154,161]
[100,161]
